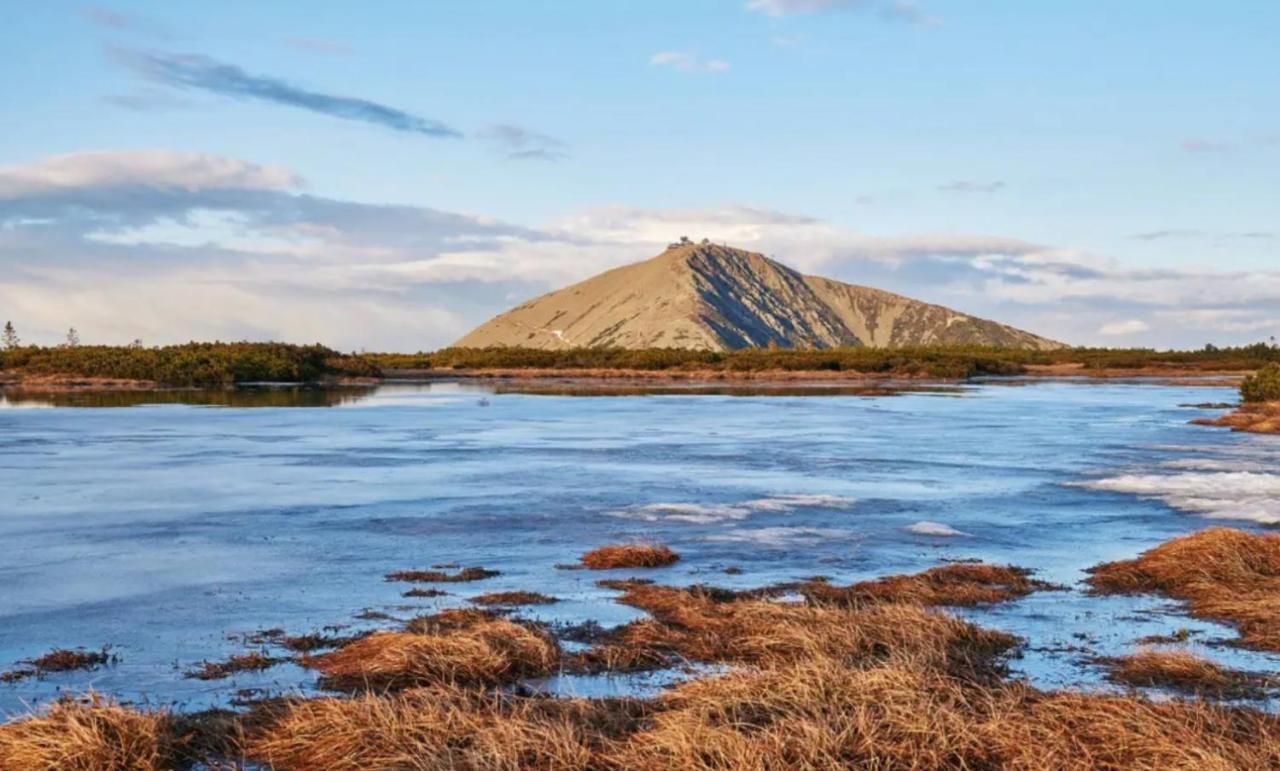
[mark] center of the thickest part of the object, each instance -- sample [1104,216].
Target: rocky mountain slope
[706,296]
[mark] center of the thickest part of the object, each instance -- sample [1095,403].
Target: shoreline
[17,382]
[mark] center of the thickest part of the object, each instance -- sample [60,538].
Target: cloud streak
[687,62]
[906,11]
[521,144]
[202,73]
[965,186]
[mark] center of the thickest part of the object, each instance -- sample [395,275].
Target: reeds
[630,555]
[961,584]
[487,652]
[441,577]
[1223,574]
[92,734]
[513,599]
[1186,672]
[253,661]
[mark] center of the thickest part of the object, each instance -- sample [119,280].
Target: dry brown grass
[822,714]
[818,713]
[1223,574]
[487,652]
[1259,418]
[716,626]
[441,577]
[444,727]
[242,662]
[64,660]
[59,660]
[1184,671]
[961,584]
[89,735]
[512,599]
[630,555]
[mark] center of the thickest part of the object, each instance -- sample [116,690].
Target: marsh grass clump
[513,599]
[440,577]
[1186,672]
[633,555]
[91,734]
[1223,574]
[480,652]
[957,585]
[444,727]
[66,660]
[725,627]
[253,661]
[314,641]
[59,660]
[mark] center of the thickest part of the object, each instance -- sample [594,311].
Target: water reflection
[245,396]
[319,396]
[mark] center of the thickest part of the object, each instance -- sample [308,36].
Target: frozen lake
[166,530]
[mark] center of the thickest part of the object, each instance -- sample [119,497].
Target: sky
[385,176]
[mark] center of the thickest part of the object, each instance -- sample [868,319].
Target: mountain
[712,297]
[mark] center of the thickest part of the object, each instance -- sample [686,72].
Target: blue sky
[387,175]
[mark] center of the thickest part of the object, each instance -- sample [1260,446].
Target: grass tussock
[487,652]
[633,555]
[441,577]
[314,641]
[242,662]
[1186,672]
[59,660]
[958,585]
[87,735]
[444,727]
[513,599]
[1251,417]
[818,713]
[1223,574]
[724,627]
[418,591]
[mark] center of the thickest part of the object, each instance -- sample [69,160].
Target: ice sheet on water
[710,513]
[784,536]
[1237,495]
[926,527]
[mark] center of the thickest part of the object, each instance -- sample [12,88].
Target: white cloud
[688,62]
[1127,327]
[140,168]
[173,246]
[893,10]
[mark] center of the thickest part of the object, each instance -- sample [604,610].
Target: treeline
[1263,386]
[191,364]
[941,361]
[219,364]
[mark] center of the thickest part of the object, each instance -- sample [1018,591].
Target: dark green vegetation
[1263,386]
[948,361]
[223,364]
[191,364]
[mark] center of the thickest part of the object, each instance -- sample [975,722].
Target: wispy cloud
[688,62]
[1206,146]
[521,144]
[105,17]
[194,71]
[966,186]
[891,10]
[1125,327]
[1166,234]
[317,45]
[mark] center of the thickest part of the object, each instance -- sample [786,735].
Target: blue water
[166,531]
